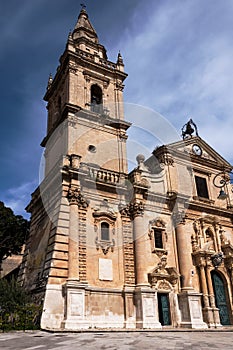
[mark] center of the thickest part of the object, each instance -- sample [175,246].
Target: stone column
[207,310]
[140,250]
[215,310]
[184,256]
[145,298]
[204,286]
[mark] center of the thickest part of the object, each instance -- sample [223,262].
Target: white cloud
[180,64]
[18,198]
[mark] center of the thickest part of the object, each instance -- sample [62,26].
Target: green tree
[17,309]
[13,232]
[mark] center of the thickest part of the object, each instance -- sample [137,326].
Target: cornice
[210,209]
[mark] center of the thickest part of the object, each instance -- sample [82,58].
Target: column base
[211,317]
[74,292]
[146,308]
[191,311]
[130,310]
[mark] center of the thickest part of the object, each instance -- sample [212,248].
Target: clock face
[197,150]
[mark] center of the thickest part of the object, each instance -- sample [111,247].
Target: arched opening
[96,99]
[221,298]
[105,231]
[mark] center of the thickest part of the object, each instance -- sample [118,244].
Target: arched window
[105,231]
[96,99]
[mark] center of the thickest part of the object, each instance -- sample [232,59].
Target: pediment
[199,151]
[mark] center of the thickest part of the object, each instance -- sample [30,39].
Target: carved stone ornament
[160,223]
[75,196]
[73,68]
[217,259]
[132,209]
[104,212]
[105,245]
[224,240]
[207,232]
[166,159]
[163,285]
[168,275]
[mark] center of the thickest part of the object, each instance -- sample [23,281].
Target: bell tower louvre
[112,249]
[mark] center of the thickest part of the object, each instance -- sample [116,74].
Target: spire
[119,59]
[84,28]
[120,63]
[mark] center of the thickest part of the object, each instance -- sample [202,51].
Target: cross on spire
[83,6]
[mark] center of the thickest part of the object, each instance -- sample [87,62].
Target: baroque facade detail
[75,196]
[112,249]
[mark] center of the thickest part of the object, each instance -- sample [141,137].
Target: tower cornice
[103,67]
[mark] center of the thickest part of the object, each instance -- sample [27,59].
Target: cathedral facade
[147,249]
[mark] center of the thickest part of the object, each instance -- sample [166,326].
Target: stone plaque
[105,270]
[76,304]
[149,309]
[196,309]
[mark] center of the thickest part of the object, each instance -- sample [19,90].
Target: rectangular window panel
[158,237]
[201,185]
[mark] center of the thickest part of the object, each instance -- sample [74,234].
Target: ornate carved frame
[159,225]
[110,218]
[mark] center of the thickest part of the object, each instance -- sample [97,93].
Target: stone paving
[164,340]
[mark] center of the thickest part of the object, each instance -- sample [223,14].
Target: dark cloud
[177,54]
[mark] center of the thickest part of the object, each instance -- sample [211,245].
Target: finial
[70,38]
[188,129]
[119,58]
[50,81]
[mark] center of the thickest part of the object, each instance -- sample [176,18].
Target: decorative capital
[75,197]
[132,209]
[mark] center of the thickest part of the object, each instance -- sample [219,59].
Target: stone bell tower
[74,259]
[87,91]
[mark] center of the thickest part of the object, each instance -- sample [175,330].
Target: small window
[201,185]
[158,238]
[105,231]
[96,99]
[92,148]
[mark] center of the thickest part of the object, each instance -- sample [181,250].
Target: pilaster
[74,289]
[146,308]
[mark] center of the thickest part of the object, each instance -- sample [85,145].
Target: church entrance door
[164,309]
[220,298]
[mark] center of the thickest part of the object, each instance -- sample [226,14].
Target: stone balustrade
[103,175]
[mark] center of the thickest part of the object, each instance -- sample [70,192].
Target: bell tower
[86,96]
[75,250]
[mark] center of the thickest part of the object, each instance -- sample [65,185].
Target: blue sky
[178,54]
